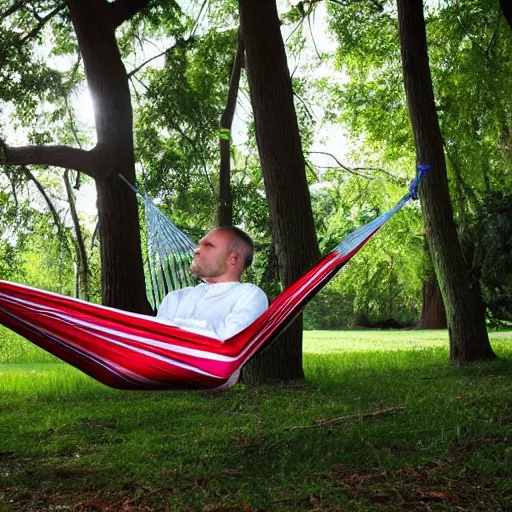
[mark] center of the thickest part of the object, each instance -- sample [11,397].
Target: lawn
[383,422]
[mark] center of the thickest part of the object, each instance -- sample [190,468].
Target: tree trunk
[464,308]
[284,174]
[119,231]
[120,246]
[433,314]
[83,273]
[506,9]
[225,209]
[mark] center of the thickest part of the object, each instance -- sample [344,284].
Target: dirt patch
[442,484]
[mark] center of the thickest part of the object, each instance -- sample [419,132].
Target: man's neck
[220,279]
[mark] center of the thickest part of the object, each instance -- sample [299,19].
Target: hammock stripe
[132,351]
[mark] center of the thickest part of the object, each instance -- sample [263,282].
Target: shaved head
[240,242]
[222,255]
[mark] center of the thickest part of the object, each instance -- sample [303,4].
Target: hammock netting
[132,351]
[169,253]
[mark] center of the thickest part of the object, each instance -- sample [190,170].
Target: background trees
[464,309]
[93,42]
[174,69]
[283,167]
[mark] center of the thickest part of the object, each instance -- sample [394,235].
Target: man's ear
[234,258]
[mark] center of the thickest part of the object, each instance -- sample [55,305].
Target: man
[222,306]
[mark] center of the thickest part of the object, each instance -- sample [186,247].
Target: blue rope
[136,190]
[354,239]
[413,189]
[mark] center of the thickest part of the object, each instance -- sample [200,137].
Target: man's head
[222,255]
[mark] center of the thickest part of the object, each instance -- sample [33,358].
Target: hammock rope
[132,351]
[169,253]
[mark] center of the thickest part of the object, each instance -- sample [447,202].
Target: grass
[410,432]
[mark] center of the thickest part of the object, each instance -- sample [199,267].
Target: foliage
[493,259]
[469,49]
[46,264]
[179,99]
[178,125]
[12,242]
[371,101]
[382,283]
[35,249]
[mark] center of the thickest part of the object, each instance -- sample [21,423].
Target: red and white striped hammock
[132,351]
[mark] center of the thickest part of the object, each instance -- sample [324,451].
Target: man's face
[211,256]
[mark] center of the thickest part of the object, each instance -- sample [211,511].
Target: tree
[95,23]
[283,168]
[225,208]
[82,279]
[506,8]
[433,314]
[469,45]
[464,308]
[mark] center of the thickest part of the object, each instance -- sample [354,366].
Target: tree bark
[119,231]
[464,309]
[284,174]
[506,9]
[82,276]
[433,314]
[225,208]
[58,156]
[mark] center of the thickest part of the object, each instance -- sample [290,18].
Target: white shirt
[218,310]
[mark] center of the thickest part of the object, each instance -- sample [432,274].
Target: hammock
[132,351]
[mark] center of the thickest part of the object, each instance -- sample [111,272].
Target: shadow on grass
[70,442]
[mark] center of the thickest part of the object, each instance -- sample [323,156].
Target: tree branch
[225,206]
[83,265]
[396,179]
[344,167]
[124,10]
[51,207]
[181,43]
[196,24]
[310,115]
[58,156]
[355,170]
[373,414]
[313,39]
[234,83]
[42,22]
[11,10]
[350,171]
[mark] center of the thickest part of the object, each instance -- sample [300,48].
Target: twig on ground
[374,414]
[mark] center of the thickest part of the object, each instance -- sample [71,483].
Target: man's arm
[251,305]
[168,307]
[247,308]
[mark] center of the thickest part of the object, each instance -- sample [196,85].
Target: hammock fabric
[131,351]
